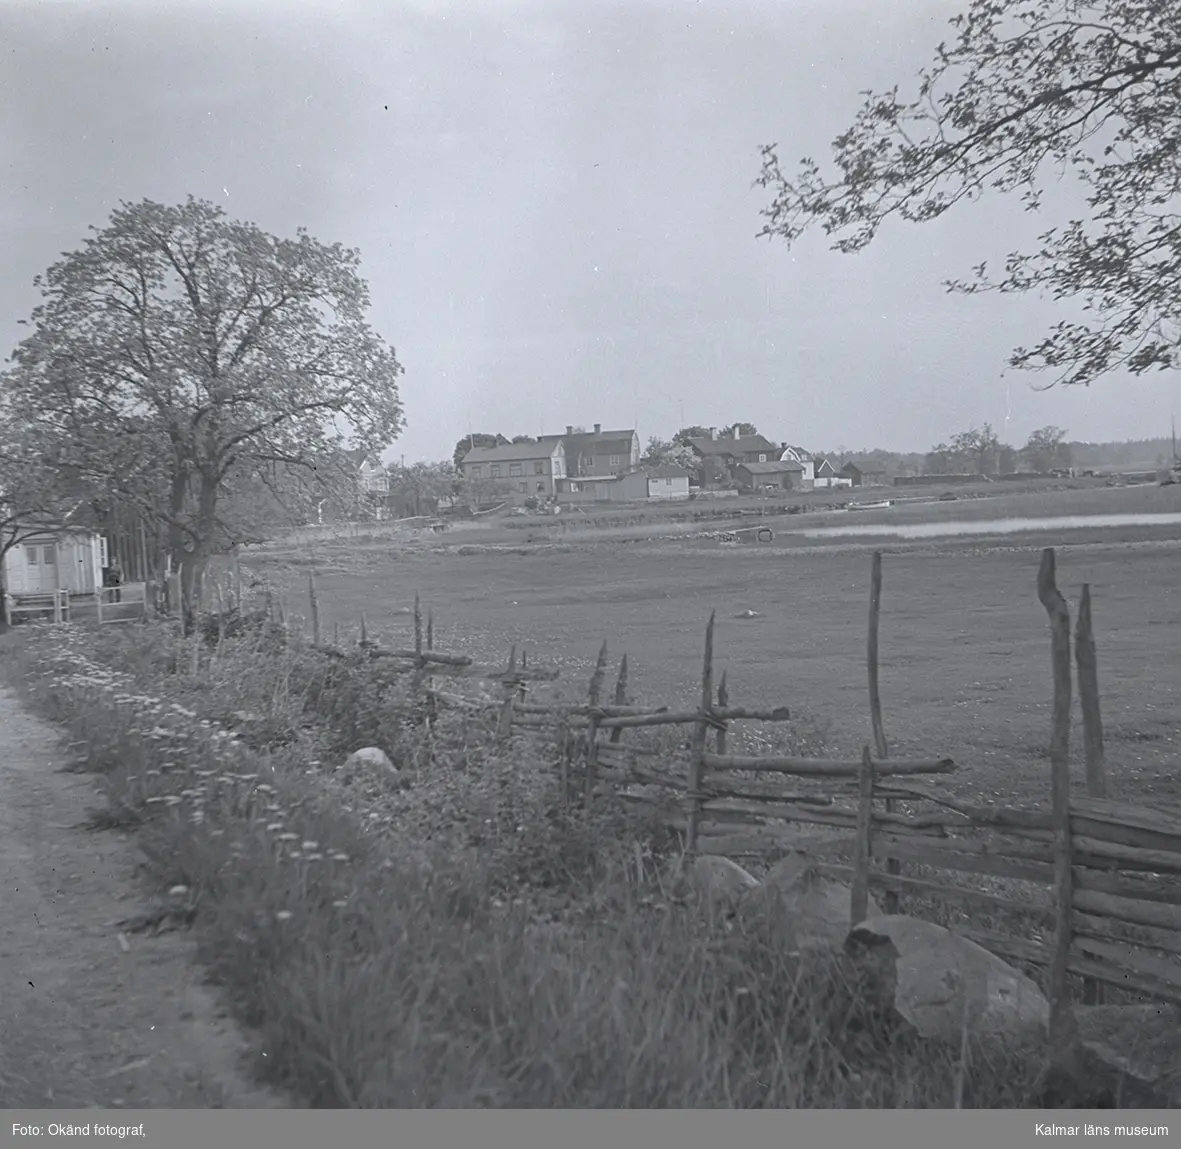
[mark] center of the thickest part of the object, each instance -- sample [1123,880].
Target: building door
[41,567]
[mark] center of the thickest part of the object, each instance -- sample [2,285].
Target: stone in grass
[944,983]
[371,762]
[815,909]
[715,878]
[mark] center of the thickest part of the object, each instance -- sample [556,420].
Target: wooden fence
[1100,875]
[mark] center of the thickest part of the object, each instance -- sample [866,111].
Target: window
[616,460]
[477,471]
[539,467]
[32,553]
[541,488]
[514,469]
[494,468]
[523,488]
[762,458]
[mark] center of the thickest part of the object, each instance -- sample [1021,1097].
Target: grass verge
[465,940]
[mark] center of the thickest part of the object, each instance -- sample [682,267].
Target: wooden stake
[697,759]
[314,602]
[1062,1025]
[364,640]
[723,702]
[596,682]
[862,846]
[417,625]
[890,902]
[620,696]
[430,630]
[1094,992]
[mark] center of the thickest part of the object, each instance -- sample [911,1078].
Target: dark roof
[851,466]
[667,471]
[776,468]
[592,443]
[510,453]
[728,445]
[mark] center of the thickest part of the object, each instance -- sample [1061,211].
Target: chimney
[598,427]
[569,428]
[713,432]
[737,433]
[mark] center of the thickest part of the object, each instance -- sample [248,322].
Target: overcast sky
[553,203]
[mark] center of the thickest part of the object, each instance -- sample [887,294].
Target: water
[993,526]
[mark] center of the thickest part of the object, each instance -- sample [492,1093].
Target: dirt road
[92,1015]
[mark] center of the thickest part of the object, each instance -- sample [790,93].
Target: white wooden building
[53,560]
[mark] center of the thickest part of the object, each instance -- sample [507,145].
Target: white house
[805,460]
[52,560]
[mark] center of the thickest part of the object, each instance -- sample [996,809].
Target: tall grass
[450,933]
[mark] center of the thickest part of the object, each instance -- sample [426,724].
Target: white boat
[870,506]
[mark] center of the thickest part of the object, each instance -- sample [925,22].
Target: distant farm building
[783,475]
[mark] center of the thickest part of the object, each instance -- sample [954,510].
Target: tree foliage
[741,428]
[661,452]
[1028,90]
[1047,449]
[473,440]
[178,355]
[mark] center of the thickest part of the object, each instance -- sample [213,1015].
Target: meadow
[964,641]
[471,940]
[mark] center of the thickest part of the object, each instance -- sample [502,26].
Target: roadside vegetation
[453,935]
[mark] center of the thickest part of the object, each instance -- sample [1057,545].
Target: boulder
[1140,1048]
[371,762]
[716,877]
[944,981]
[817,909]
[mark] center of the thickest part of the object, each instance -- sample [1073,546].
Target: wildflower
[311,845]
[340,857]
[283,916]
[288,837]
[340,903]
[273,827]
[178,891]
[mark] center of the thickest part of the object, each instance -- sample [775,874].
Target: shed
[48,560]
[784,473]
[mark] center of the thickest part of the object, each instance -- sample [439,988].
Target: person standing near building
[115,579]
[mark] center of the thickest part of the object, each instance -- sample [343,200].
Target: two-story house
[597,453]
[807,465]
[516,471]
[726,452]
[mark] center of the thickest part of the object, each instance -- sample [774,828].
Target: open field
[965,665]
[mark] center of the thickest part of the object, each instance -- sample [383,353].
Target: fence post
[314,605]
[723,702]
[504,724]
[1094,992]
[592,726]
[859,908]
[1062,1027]
[697,757]
[620,696]
[893,866]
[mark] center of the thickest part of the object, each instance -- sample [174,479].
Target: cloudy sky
[553,203]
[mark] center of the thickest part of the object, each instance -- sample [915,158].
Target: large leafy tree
[1028,90]
[178,356]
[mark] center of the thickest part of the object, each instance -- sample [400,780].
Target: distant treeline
[1133,454]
